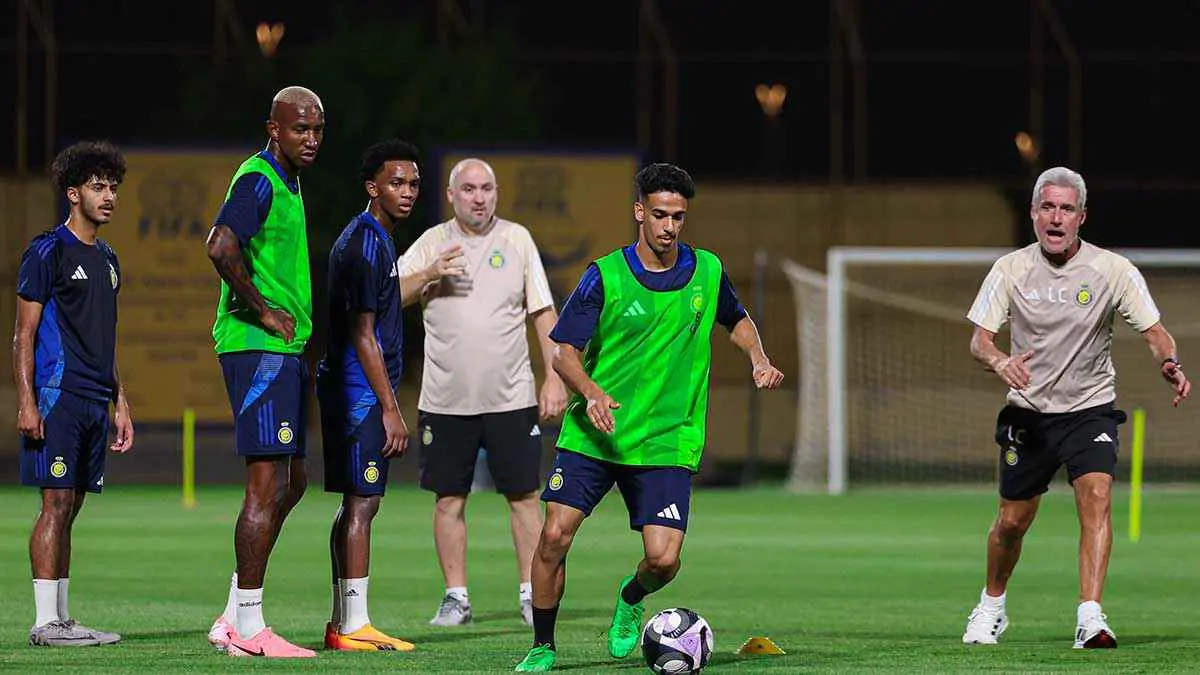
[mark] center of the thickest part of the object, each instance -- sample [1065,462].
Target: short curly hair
[390,150]
[77,164]
[663,177]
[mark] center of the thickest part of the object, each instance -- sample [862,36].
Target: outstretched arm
[568,363]
[448,263]
[745,336]
[1162,346]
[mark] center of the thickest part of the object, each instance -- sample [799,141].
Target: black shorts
[450,445]
[1034,445]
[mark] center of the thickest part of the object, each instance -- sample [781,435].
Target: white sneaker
[985,625]
[1094,633]
[527,612]
[452,612]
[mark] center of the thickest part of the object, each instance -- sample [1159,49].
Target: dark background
[947,85]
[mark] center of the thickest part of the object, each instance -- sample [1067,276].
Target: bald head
[472,192]
[295,97]
[473,166]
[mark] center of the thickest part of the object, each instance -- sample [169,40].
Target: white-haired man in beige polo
[1060,296]
[479,278]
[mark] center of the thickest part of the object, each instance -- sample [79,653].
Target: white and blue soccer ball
[677,641]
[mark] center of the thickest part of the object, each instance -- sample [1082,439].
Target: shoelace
[448,603]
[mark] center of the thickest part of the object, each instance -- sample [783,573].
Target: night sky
[947,87]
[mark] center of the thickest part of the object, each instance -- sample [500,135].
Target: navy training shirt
[249,202]
[362,278]
[77,286]
[581,313]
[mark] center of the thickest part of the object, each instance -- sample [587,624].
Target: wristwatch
[1172,359]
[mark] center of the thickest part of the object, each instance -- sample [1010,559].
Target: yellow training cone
[759,645]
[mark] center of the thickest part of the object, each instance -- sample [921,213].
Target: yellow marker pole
[189,458]
[1135,475]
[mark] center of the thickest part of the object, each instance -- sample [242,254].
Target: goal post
[896,397]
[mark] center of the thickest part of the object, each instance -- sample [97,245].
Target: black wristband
[1171,359]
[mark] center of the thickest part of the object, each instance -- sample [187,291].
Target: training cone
[759,645]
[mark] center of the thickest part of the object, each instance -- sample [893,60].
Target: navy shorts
[352,449]
[269,396]
[653,495]
[72,453]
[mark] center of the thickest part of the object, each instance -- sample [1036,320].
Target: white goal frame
[839,257]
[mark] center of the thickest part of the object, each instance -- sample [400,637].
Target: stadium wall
[733,219]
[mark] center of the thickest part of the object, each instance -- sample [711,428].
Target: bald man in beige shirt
[1060,297]
[479,279]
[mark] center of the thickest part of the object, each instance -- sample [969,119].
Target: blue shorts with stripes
[71,455]
[354,463]
[269,396]
[653,495]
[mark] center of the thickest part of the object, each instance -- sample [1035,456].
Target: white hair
[297,96]
[464,163]
[1061,176]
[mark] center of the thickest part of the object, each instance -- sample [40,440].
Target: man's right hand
[29,423]
[1013,370]
[279,322]
[449,263]
[599,411]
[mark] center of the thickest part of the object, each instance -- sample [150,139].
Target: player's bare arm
[366,347]
[745,336]
[226,255]
[122,418]
[449,263]
[1011,369]
[29,420]
[552,398]
[568,363]
[1162,346]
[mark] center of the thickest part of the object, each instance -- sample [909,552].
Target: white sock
[230,613]
[45,601]
[525,591]
[992,601]
[1087,609]
[354,605]
[63,613]
[459,592]
[249,612]
[335,617]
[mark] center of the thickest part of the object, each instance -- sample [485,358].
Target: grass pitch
[875,580]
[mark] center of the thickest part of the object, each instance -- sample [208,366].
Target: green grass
[880,579]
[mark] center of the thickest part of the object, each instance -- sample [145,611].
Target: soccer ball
[677,641]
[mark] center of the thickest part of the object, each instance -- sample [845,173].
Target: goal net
[889,392]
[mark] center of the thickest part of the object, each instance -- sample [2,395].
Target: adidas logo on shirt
[1102,438]
[79,273]
[634,310]
[670,513]
[535,431]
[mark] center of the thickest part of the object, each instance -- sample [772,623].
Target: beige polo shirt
[476,352]
[1065,315]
